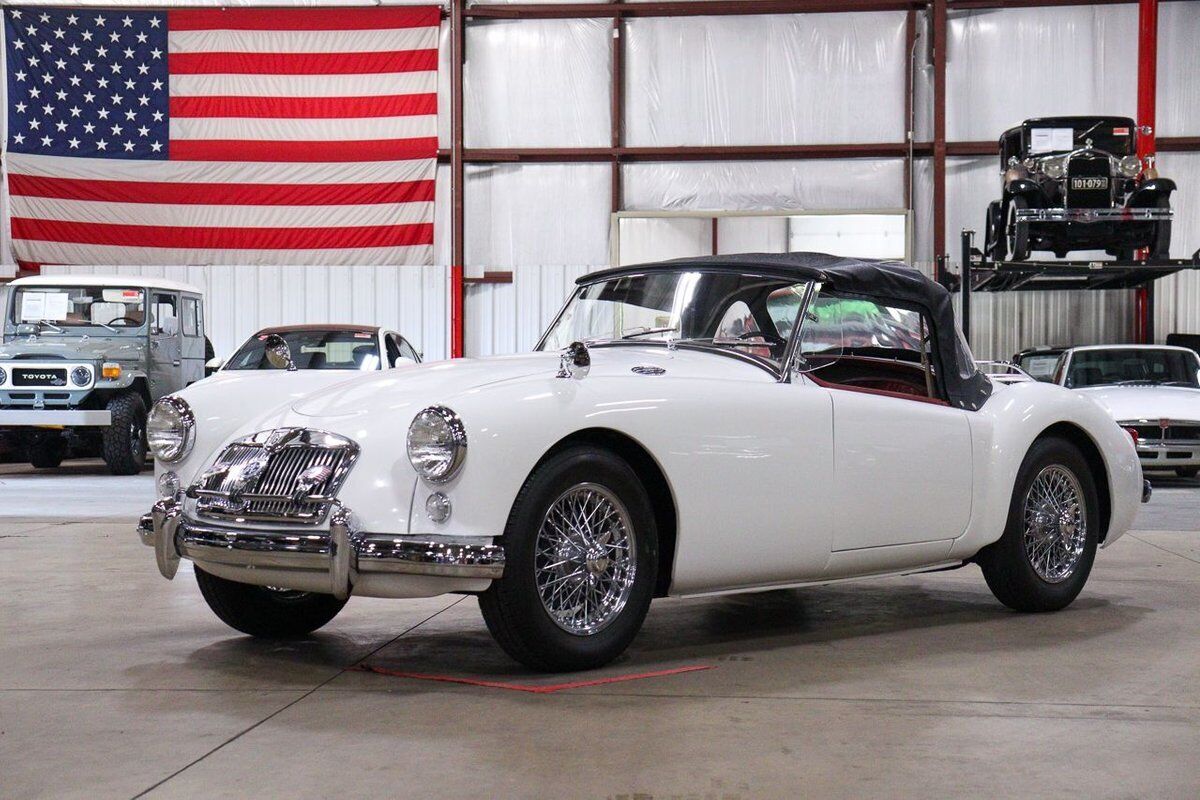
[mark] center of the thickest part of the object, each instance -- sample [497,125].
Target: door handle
[175,363]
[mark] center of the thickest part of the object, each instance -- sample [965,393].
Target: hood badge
[647,369]
[575,361]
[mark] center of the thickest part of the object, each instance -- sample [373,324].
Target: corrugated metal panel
[1004,323]
[243,299]
[509,318]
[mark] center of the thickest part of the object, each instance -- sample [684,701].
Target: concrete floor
[116,683]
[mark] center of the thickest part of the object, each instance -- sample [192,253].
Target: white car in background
[706,425]
[1153,390]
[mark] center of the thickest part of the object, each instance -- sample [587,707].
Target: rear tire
[993,232]
[1160,245]
[124,440]
[266,613]
[1045,555]
[46,451]
[581,530]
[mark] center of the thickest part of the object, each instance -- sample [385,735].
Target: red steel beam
[1147,89]
[457,172]
[683,8]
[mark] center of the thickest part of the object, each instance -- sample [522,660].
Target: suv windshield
[115,309]
[314,350]
[1132,367]
[748,314]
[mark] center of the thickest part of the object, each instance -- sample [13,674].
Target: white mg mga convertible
[706,425]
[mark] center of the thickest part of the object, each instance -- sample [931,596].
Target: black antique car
[1076,183]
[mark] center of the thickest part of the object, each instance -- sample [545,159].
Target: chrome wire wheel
[585,559]
[1055,517]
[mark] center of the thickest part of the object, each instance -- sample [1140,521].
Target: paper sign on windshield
[43,305]
[1051,140]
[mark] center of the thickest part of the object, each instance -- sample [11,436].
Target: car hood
[1146,402]
[76,348]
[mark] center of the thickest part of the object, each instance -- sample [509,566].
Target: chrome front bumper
[35,417]
[342,552]
[1094,214]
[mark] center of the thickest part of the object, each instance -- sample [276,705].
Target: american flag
[222,136]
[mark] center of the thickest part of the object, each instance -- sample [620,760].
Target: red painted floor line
[534,688]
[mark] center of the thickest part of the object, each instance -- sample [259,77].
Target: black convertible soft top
[870,278]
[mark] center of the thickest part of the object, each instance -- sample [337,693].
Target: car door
[902,459]
[166,358]
[192,340]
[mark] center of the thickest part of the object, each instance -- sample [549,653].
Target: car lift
[1009,276]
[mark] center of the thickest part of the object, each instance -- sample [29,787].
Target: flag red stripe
[372,62]
[222,194]
[308,19]
[391,105]
[222,238]
[276,150]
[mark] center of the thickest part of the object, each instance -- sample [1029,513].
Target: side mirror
[279,355]
[212,365]
[402,361]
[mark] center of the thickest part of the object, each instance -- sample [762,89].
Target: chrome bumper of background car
[342,551]
[1093,214]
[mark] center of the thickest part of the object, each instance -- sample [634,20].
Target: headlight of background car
[1054,167]
[1131,166]
[437,444]
[3,376]
[171,429]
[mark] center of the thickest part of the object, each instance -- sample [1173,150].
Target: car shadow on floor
[880,622]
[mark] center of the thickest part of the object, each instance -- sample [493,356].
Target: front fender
[1024,187]
[1148,193]
[1004,430]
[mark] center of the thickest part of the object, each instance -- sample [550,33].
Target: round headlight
[3,376]
[1054,168]
[170,429]
[1131,166]
[81,376]
[437,444]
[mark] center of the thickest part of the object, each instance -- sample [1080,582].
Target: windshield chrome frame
[782,372]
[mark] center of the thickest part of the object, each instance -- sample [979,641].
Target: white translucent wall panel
[510,318]
[1007,322]
[522,214]
[1008,65]
[752,234]
[241,300]
[658,238]
[854,235]
[538,83]
[1178,101]
[765,185]
[775,79]
[1177,299]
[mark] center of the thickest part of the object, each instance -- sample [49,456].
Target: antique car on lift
[705,425]
[1151,390]
[84,357]
[1076,183]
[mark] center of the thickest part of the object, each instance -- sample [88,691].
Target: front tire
[1017,233]
[46,450]
[264,612]
[581,558]
[124,440]
[1045,555]
[1160,245]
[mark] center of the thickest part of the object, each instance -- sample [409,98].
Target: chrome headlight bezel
[171,429]
[1055,168]
[79,372]
[437,444]
[1130,166]
[3,376]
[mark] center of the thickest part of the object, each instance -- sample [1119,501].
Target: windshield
[1068,136]
[1040,366]
[114,309]
[747,314]
[1133,367]
[358,350]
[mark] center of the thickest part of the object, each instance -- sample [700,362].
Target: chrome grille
[280,475]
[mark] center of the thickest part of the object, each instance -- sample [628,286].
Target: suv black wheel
[46,450]
[124,440]
[266,612]
[581,556]
[1045,555]
[1017,233]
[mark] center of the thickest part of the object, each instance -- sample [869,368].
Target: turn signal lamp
[110,371]
[1133,434]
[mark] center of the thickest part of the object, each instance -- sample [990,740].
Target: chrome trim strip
[430,554]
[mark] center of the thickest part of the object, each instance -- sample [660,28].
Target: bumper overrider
[337,558]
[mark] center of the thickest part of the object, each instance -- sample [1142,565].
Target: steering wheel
[125,321]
